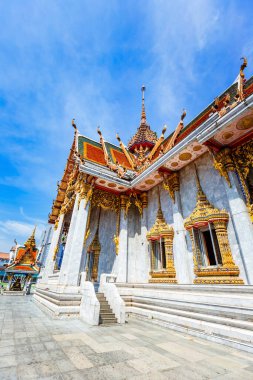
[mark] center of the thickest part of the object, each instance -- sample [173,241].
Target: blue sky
[88,59]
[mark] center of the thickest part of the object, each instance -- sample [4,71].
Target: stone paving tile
[7,361]
[9,373]
[34,346]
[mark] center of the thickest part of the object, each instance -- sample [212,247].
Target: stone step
[13,293]
[196,315]
[239,313]
[103,320]
[223,314]
[60,305]
[232,336]
[106,316]
[105,309]
[101,297]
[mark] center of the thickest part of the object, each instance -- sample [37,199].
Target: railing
[108,287]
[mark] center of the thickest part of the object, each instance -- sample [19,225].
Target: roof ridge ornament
[241,79]
[178,129]
[73,123]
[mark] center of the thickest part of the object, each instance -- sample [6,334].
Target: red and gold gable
[26,255]
[120,158]
[93,153]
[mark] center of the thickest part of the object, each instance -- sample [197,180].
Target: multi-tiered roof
[143,163]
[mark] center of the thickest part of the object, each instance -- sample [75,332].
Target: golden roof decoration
[144,134]
[31,240]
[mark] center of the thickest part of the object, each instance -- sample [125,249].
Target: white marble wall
[138,264]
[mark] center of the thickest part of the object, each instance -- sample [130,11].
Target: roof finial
[143,113]
[241,79]
[183,115]
[73,123]
[34,230]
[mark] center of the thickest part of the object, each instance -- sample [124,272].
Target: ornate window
[160,237]
[213,261]
[205,239]
[158,249]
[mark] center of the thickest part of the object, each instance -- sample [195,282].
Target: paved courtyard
[34,346]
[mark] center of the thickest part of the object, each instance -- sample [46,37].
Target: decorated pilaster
[182,257]
[144,255]
[121,262]
[75,255]
[50,262]
[227,164]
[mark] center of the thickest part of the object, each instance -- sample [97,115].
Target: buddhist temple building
[163,219]
[24,265]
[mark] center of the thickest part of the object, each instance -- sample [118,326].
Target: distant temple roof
[26,258]
[4,256]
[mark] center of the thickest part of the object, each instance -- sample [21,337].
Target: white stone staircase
[219,313]
[106,315]
[58,304]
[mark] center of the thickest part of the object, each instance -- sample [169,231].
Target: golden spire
[143,112]
[159,215]
[202,201]
[31,240]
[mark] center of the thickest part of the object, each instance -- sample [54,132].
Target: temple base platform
[57,300]
[13,293]
[219,313]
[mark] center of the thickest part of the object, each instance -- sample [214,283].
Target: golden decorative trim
[239,160]
[95,248]
[223,162]
[171,184]
[87,229]
[116,236]
[144,199]
[138,200]
[106,200]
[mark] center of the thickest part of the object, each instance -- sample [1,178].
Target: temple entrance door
[90,261]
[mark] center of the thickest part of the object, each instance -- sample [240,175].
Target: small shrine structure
[24,266]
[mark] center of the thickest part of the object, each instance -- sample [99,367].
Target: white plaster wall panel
[120,263]
[152,206]
[134,245]
[166,205]
[107,230]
